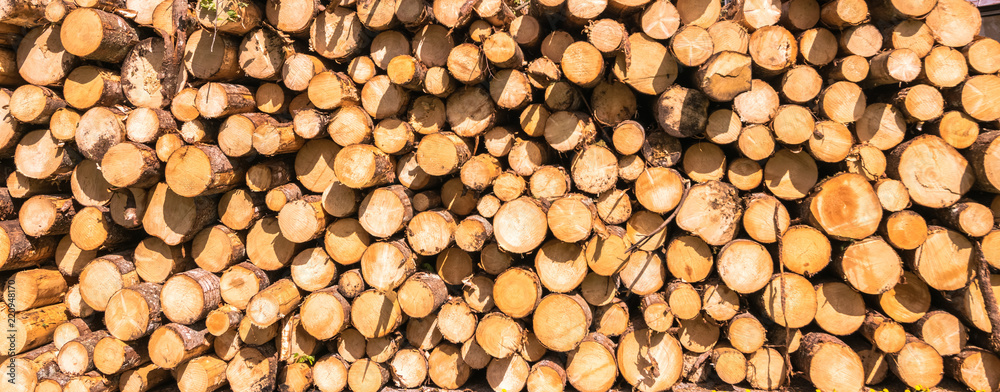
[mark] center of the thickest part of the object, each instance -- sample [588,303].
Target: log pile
[546,195]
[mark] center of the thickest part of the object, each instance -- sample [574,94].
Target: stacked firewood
[546,195]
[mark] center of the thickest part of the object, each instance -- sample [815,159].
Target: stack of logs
[548,195]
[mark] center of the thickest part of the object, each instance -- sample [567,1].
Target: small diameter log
[241,282]
[920,102]
[561,266]
[956,128]
[73,329]
[859,223]
[217,247]
[302,220]
[882,332]
[346,240]
[240,208]
[223,320]
[684,300]
[746,333]
[693,214]
[385,265]
[189,296]
[202,374]
[594,169]
[656,312]
[393,201]
[41,63]
[312,269]
[825,360]
[363,166]
[273,303]
[93,228]
[759,13]
[944,67]
[789,300]
[235,136]
[155,261]
[146,125]
[174,344]
[986,145]
[89,86]
[134,312]
[112,356]
[908,301]
[216,100]
[904,229]
[193,213]
[34,104]
[76,357]
[644,273]
[199,170]
[34,288]
[430,232]
[143,378]
[131,164]
[971,218]
[43,215]
[39,156]
[267,247]
[730,364]
[517,292]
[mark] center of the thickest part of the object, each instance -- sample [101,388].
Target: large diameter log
[917,363]
[97,35]
[845,206]
[520,225]
[974,367]
[828,363]
[34,288]
[41,57]
[745,266]
[648,360]
[176,219]
[682,112]
[715,223]
[253,369]
[574,321]
[39,155]
[200,170]
[870,265]
[376,324]
[35,327]
[789,300]
[134,311]
[944,260]
[189,296]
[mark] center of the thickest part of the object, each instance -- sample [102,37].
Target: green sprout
[298,358]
